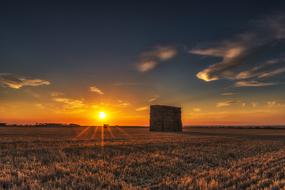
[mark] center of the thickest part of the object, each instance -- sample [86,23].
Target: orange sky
[57,108]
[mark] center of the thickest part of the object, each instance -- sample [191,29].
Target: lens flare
[102,115]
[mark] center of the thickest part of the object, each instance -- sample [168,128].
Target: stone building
[165,118]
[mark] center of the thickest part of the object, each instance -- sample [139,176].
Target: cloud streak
[254,55]
[123,104]
[225,103]
[17,82]
[154,98]
[151,59]
[96,90]
[142,108]
[253,84]
[69,105]
[228,94]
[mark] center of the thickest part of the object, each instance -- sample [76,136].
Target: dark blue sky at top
[100,41]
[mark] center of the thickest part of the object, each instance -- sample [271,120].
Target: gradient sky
[64,61]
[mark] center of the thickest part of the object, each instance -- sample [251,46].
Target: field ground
[134,158]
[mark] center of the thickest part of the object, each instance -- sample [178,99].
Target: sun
[102,115]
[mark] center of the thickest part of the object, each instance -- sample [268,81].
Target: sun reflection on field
[94,133]
[100,134]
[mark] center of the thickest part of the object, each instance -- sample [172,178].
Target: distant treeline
[240,127]
[54,125]
[48,125]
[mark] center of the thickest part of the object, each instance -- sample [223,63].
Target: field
[134,158]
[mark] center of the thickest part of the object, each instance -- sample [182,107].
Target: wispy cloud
[70,105]
[17,82]
[272,73]
[253,84]
[96,90]
[271,103]
[228,94]
[225,103]
[56,94]
[254,104]
[196,109]
[161,52]
[154,98]
[265,70]
[275,104]
[228,52]
[143,108]
[151,59]
[147,65]
[238,54]
[123,104]
[40,106]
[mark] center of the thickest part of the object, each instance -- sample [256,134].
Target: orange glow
[125,112]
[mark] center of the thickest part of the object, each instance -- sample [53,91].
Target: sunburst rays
[100,135]
[82,133]
[122,131]
[109,130]
[94,133]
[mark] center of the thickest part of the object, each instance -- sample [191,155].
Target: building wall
[165,118]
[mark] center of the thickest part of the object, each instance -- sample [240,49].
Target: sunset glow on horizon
[66,62]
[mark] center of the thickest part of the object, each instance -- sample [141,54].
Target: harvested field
[134,158]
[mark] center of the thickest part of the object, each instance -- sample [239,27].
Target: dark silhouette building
[165,118]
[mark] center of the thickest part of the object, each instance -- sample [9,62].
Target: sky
[223,62]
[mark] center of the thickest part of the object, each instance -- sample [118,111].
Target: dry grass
[73,158]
